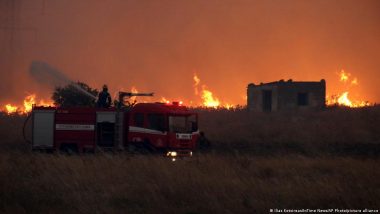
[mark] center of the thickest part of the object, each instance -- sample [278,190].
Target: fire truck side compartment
[106,116]
[43,128]
[105,125]
[75,127]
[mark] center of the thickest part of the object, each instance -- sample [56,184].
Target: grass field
[305,160]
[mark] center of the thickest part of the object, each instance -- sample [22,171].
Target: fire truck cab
[171,129]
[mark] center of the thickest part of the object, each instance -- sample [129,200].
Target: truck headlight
[171,154]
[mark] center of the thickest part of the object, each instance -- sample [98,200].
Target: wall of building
[287,95]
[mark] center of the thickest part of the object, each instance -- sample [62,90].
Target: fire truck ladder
[119,117]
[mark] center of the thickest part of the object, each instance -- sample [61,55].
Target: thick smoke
[159,45]
[46,75]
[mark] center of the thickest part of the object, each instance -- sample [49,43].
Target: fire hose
[24,128]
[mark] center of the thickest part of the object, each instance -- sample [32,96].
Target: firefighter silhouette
[104,98]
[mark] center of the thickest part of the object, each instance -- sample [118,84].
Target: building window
[139,119]
[303,99]
[267,100]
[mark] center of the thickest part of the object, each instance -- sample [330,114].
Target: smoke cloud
[156,46]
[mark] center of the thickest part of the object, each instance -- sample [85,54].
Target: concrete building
[286,95]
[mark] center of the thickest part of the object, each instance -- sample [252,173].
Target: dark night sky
[157,45]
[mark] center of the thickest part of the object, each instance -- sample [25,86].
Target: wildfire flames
[10,109]
[164,100]
[134,90]
[342,99]
[27,105]
[196,83]
[206,98]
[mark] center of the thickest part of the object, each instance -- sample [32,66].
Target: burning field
[205,98]
[324,160]
[27,106]
[312,144]
[342,99]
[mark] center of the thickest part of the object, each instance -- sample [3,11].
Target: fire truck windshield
[183,124]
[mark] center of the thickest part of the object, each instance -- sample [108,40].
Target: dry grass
[39,183]
[298,160]
[336,131]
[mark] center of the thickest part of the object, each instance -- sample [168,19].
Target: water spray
[45,74]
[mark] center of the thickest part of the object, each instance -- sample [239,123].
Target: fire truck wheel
[69,149]
[148,146]
[131,148]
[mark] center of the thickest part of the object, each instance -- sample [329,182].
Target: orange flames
[164,100]
[342,99]
[196,83]
[206,98]
[344,76]
[134,90]
[209,100]
[10,109]
[27,105]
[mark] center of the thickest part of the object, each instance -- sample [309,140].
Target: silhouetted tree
[74,94]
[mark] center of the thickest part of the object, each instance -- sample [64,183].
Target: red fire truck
[171,129]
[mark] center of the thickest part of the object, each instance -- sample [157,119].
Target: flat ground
[305,160]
